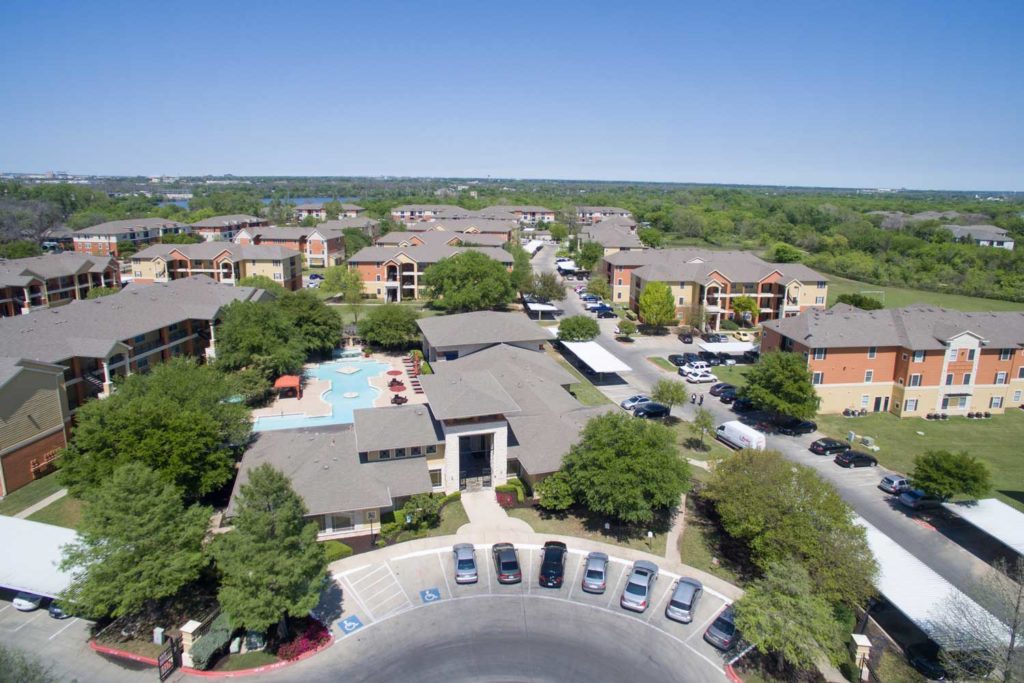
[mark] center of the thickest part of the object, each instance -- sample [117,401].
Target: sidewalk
[32,509]
[486,515]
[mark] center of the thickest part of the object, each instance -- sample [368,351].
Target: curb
[731,674]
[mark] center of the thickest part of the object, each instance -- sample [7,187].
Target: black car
[855,459]
[552,565]
[686,338]
[794,426]
[709,358]
[828,446]
[607,314]
[729,395]
[743,405]
[651,411]
[717,389]
[751,356]
[677,359]
[925,658]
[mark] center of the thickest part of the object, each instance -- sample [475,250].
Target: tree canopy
[521,276]
[558,231]
[343,281]
[547,286]
[263,282]
[652,237]
[99,292]
[259,335]
[862,301]
[469,281]
[746,307]
[391,326]
[671,392]
[578,328]
[657,308]
[945,474]
[781,383]
[589,254]
[598,286]
[315,325]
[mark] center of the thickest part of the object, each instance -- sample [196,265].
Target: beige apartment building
[222,262]
[27,284]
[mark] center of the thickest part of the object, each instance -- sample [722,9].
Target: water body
[183,203]
[312,200]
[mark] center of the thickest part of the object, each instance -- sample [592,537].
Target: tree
[126,248]
[310,221]
[626,469]
[390,326]
[546,286]
[781,383]
[578,328]
[670,392]
[137,543]
[258,335]
[173,419]
[270,563]
[652,237]
[522,272]
[627,329]
[355,239]
[263,282]
[945,474]
[783,253]
[781,511]
[861,301]
[702,425]
[589,254]
[558,231]
[555,492]
[657,308]
[316,325]
[598,286]
[333,209]
[19,249]
[98,292]
[344,281]
[696,317]
[780,614]
[181,238]
[746,307]
[469,281]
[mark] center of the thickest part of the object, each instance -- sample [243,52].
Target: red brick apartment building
[102,239]
[51,280]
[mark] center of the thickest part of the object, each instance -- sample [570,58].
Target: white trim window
[819,354]
[872,352]
[915,380]
[818,378]
[967,378]
[910,405]
[1005,354]
[918,356]
[1000,377]
[869,376]
[864,401]
[953,353]
[1017,396]
[995,402]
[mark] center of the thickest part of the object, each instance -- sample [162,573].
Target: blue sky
[861,94]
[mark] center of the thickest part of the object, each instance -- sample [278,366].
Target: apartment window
[277,262]
[384,455]
[952,354]
[619,281]
[967,378]
[399,452]
[905,356]
[821,284]
[435,479]
[918,356]
[1000,378]
[820,300]
[341,522]
[1005,354]
[378,280]
[954,402]
[415,450]
[970,354]
[949,379]
[818,378]
[138,273]
[277,276]
[618,295]
[682,301]
[910,405]
[1016,396]
[864,401]
[431,449]
[869,375]
[872,351]
[995,402]
[819,354]
[915,380]
[1020,373]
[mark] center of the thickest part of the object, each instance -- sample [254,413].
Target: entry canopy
[32,555]
[995,518]
[596,357]
[731,348]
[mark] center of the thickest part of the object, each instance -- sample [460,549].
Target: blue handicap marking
[350,625]
[430,595]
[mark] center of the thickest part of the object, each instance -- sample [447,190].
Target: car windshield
[466,564]
[679,604]
[595,574]
[636,589]
[509,565]
[724,626]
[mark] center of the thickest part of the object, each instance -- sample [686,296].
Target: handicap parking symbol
[430,595]
[350,625]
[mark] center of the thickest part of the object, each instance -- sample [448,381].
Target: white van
[739,435]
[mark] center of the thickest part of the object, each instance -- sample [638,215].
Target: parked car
[506,563]
[651,411]
[738,435]
[751,356]
[827,446]
[465,563]
[552,565]
[726,359]
[717,389]
[639,586]
[635,400]
[709,357]
[700,377]
[26,602]
[56,610]
[594,305]
[722,633]
[856,459]
[794,426]
[316,276]
[695,366]
[743,405]
[729,395]
[714,338]
[916,499]
[743,336]
[690,357]
[894,483]
[685,598]
[925,658]
[607,313]
[686,338]
[677,360]
[595,573]
[587,298]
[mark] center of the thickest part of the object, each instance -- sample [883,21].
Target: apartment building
[519,212]
[587,215]
[393,273]
[710,280]
[982,235]
[322,246]
[439,237]
[504,228]
[54,360]
[51,280]
[408,213]
[448,337]
[616,233]
[908,361]
[102,239]
[224,228]
[317,210]
[221,262]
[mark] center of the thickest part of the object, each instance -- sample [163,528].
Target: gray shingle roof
[228,219]
[340,224]
[18,272]
[612,233]
[601,209]
[440,237]
[454,394]
[396,427]
[424,254]
[480,327]
[978,232]
[210,250]
[464,223]
[129,225]
[696,265]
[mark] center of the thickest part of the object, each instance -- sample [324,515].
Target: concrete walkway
[486,515]
[678,525]
[32,509]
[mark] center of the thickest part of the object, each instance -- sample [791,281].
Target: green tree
[578,328]
[945,474]
[137,543]
[626,469]
[469,281]
[556,492]
[781,383]
[781,615]
[546,286]
[657,308]
[181,238]
[98,292]
[333,209]
[746,308]
[391,326]
[316,325]
[20,667]
[521,277]
[344,281]
[270,563]
[671,392]
[627,329]
[263,282]
[696,317]
[598,286]
[309,222]
[19,249]
[173,419]
[258,335]
[781,512]
[783,253]
[702,425]
[589,254]
[355,239]
[558,231]
[861,301]
[125,248]
[652,237]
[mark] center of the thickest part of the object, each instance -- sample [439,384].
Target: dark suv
[710,358]
[552,565]
[793,426]
[651,411]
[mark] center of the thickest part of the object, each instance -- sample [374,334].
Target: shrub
[728,324]
[522,489]
[630,315]
[509,488]
[451,498]
[336,550]
[315,635]
[212,643]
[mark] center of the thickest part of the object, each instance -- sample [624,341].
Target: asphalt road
[858,488]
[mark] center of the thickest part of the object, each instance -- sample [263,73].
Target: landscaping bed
[575,523]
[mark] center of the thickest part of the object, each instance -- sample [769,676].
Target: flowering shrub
[315,635]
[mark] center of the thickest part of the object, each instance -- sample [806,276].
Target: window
[970,354]
[818,378]
[277,276]
[995,402]
[415,450]
[140,338]
[1000,378]
[399,452]
[619,281]
[954,402]
[618,295]
[340,522]
[967,378]
[952,354]
[431,449]
[949,379]
[682,301]
[1005,354]
[384,455]
[138,273]
[435,479]
[819,300]
[864,401]
[1020,373]
[910,405]
[869,375]
[872,351]
[904,356]
[918,356]
[277,262]
[819,354]
[821,284]
[1016,396]
[915,380]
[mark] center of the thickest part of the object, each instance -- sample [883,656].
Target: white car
[695,366]
[634,401]
[700,377]
[26,602]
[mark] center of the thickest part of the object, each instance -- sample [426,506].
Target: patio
[311,404]
[403,371]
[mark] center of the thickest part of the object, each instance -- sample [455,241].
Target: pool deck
[380,382]
[310,405]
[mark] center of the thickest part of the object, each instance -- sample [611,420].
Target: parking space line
[657,607]
[383,578]
[367,575]
[617,585]
[393,576]
[572,586]
[704,626]
[6,608]
[691,648]
[379,593]
[489,564]
[28,621]
[353,570]
[356,598]
[444,575]
[529,583]
[63,629]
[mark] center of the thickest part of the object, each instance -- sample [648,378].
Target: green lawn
[250,660]
[663,364]
[29,494]
[585,392]
[896,297]
[453,515]
[997,441]
[699,545]
[733,374]
[65,512]
[571,525]
[713,449]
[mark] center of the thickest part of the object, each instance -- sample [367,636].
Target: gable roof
[130,225]
[697,265]
[210,250]
[978,232]
[228,219]
[480,327]
[426,253]
[395,427]
[440,237]
[454,394]
[20,272]
[612,234]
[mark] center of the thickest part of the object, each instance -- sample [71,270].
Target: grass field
[66,512]
[699,544]
[733,374]
[896,297]
[996,441]
[29,494]
[585,392]
[250,660]
[570,525]
[663,364]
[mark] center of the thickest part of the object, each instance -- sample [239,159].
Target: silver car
[465,563]
[637,593]
[683,603]
[634,401]
[595,573]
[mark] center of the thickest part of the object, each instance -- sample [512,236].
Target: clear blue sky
[923,94]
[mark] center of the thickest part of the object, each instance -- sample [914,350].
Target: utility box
[861,647]
[158,636]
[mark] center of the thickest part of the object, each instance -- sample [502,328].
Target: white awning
[540,307]
[32,555]
[596,357]
[533,246]
[995,518]
[732,348]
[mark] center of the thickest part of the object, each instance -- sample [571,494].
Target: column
[107,384]
[26,305]
[211,350]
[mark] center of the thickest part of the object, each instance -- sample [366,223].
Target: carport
[540,309]
[595,357]
[33,556]
[994,518]
[730,348]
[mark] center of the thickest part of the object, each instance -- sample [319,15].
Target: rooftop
[37,566]
[20,272]
[426,253]
[130,225]
[978,232]
[228,219]
[395,427]
[440,237]
[454,394]
[210,250]
[480,327]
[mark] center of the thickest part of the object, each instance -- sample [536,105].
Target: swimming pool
[341,384]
